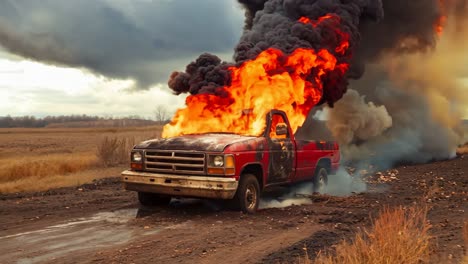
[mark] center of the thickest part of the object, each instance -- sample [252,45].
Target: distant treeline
[71,121]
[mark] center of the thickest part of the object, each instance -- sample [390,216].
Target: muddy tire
[320,180]
[247,197]
[153,199]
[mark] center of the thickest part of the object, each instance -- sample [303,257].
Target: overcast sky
[105,57]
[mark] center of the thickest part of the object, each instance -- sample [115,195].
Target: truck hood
[202,142]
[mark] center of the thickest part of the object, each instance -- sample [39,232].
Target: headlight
[137,157]
[221,164]
[218,161]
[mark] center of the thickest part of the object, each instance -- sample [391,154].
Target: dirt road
[101,223]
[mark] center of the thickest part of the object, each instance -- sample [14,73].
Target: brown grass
[397,236]
[114,151]
[44,166]
[463,150]
[32,184]
[34,159]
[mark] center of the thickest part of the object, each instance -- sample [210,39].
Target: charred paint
[202,142]
[260,151]
[251,144]
[282,150]
[281,160]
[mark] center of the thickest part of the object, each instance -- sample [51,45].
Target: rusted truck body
[227,166]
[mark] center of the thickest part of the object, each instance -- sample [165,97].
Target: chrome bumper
[180,185]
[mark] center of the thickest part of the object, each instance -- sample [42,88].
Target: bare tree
[161,114]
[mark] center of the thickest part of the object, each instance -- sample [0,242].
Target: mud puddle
[104,229]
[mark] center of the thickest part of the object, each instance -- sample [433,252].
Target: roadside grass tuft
[463,149]
[398,236]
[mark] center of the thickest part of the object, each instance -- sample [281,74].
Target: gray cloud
[143,40]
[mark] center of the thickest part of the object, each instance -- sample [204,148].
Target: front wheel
[153,199]
[247,197]
[320,180]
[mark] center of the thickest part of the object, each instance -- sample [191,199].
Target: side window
[275,121]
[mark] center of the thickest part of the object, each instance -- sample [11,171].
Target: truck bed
[309,152]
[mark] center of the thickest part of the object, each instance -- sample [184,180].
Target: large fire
[274,80]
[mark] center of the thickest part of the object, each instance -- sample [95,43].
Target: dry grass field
[36,159]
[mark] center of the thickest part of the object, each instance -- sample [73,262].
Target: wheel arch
[255,169]
[324,162]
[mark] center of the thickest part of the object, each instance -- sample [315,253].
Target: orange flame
[441,20]
[306,20]
[292,83]
[440,24]
[335,21]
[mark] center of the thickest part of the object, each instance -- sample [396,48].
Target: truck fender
[324,162]
[256,169]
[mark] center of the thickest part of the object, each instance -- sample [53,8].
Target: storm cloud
[141,40]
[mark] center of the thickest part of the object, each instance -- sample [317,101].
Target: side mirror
[281,129]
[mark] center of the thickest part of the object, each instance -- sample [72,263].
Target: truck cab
[227,166]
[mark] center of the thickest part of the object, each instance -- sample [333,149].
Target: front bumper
[180,185]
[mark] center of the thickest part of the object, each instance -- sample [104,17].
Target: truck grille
[175,162]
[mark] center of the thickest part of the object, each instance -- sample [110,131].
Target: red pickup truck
[228,166]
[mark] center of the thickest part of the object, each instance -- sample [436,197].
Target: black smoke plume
[375,27]
[251,7]
[274,24]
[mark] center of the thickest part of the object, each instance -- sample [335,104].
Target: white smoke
[339,184]
[352,119]
[344,184]
[297,195]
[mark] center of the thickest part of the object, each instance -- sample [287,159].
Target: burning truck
[235,136]
[233,167]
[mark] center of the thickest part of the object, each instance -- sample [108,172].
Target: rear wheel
[247,197]
[320,180]
[153,199]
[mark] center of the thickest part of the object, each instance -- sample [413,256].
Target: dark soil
[40,227]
